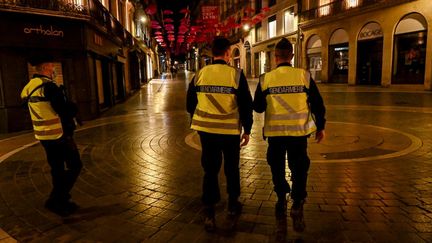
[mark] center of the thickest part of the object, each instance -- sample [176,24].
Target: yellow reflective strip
[283,103]
[278,128]
[34,113]
[215,103]
[47,122]
[216,116]
[49,132]
[215,124]
[294,116]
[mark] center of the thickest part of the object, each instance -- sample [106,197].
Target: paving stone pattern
[370,181]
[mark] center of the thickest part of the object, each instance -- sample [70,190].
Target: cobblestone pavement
[370,180]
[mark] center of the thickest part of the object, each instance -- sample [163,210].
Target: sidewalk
[370,181]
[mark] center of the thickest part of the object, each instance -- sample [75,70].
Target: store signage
[210,13]
[42,30]
[371,31]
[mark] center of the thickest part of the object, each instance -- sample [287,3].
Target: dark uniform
[220,104]
[289,124]
[53,122]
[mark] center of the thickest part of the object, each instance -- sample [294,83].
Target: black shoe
[57,208]
[281,208]
[234,208]
[297,215]
[72,206]
[209,219]
[210,224]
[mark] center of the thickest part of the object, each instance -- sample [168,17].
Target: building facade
[260,24]
[367,42]
[99,61]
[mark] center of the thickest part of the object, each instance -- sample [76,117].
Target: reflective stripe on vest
[217,110]
[46,122]
[287,112]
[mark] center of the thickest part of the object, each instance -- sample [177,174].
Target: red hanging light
[151,9]
[167,12]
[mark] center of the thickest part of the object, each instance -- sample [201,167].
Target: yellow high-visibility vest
[217,110]
[287,112]
[46,122]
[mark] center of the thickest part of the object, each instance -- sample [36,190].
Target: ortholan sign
[44,30]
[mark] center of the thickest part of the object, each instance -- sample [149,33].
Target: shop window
[236,57]
[410,50]
[263,62]
[289,21]
[272,26]
[410,56]
[339,63]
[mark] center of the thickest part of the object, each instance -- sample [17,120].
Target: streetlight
[143,19]
[246,27]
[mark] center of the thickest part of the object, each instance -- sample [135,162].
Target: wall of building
[387,18]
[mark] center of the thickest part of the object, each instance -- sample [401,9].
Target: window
[258,34]
[289,21]
[258,6]
[351,3]
[271,3]
[272,26]
[324,8]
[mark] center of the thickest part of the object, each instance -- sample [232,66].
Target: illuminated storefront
[389,44]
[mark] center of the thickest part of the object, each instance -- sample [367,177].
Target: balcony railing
[341,6]
[92,10]
[65,7]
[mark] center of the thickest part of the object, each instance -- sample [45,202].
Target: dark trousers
[298,163]
[64,160]
[214,146]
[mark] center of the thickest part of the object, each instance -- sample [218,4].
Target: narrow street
[370,180]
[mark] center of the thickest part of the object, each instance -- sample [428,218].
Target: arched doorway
[247,47]
[410,50]
[236,58]
[369,54]
[314,58]
[338,56]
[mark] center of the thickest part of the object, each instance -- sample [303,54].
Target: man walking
[220,103]
[52,116]
[294,110]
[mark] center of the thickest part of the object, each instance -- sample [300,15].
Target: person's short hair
[220,46]
[284,49]
[37,60]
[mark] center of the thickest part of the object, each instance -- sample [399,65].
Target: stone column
[387,58]
[352,56]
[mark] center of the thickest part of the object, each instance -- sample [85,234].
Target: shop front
[410,50]
[23,36]
[338,57]
[370,54]
[314,58]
